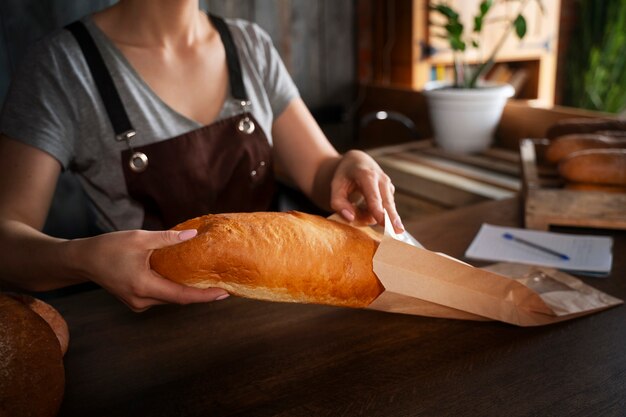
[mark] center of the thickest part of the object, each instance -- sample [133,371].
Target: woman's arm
[329,179]
[33,261]
[28,179]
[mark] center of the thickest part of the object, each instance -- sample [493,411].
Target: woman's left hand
[310,161]
[358,175]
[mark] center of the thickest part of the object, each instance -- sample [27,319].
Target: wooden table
[243,357]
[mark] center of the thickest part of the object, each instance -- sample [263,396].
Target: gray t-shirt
[53,104]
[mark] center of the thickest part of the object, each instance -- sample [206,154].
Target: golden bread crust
[32,377]
[287,257]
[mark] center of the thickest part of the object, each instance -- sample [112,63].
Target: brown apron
[223,167]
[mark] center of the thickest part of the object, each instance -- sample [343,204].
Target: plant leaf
[485,6]
[457,44]
[478,23]
[520,26]
[455,28]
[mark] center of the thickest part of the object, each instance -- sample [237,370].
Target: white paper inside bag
[405,236]
[563,293]
[377,231]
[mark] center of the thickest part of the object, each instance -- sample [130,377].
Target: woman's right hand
[120,263]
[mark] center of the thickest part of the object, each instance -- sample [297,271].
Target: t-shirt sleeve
[279,85]
[38,108]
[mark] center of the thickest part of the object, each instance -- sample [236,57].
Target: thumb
[166,238]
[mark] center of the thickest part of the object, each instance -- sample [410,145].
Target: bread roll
[286,257]
[49,314]
[563,146]
[584,125]
[595,166]
[32,378]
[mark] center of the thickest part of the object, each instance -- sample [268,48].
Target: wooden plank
[504,154]
[558,207]
[482,175]
[443,195]
[314,39]
[520,121]
[307,58]
[268,16]
[546,205]
[504,162]
[337,70]
[453,180]
[529,167]
[403,147]
[415,172]
[411,208]
[365,40]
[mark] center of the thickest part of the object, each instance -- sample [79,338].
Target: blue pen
[536,246]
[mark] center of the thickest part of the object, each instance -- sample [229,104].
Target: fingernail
[221,297]
[398,224]
[347,215]
[187,234]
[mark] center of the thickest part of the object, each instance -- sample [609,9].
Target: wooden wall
[22,22]
[315,39]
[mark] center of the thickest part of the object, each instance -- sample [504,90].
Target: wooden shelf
[398,47]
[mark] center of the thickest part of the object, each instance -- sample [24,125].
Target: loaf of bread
[584,125]
[595,166]
[285,257]
[49,314]
[32,377]
[563,146]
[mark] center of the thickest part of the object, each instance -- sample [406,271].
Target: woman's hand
[120,263]
[357,175]
[310,161]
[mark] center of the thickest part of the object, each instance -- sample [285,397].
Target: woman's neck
[155,23]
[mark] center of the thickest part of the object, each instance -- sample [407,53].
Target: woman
[164,113]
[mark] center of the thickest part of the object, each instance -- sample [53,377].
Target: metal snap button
[138,162]
[246,125]
[254,172]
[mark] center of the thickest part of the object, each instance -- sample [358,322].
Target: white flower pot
[464,119]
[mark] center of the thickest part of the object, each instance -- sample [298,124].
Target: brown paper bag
[421,282]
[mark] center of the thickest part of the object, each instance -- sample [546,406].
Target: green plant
[465,75]
[596,62]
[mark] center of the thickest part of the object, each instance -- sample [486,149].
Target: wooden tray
[430,180]
[547,203]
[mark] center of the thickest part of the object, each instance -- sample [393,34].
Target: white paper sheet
[590,255]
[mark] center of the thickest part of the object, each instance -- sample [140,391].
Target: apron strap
[106,87]
[104,83]
[237,88]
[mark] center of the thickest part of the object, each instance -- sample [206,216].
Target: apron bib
[222,167]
